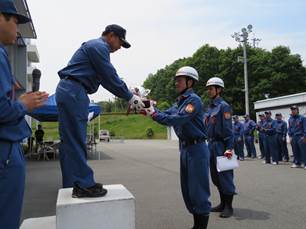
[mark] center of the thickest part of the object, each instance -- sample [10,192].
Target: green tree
[276,72]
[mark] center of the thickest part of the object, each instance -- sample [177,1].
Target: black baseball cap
[8,7]
[278,114]
[267,112]
[120,32]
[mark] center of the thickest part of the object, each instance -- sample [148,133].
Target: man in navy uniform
[261,135]
[269,129]
[218,122]
[238,138]
[249,128]
[186,116]
[297,134]
[281,138]
[88,68]
[13,126]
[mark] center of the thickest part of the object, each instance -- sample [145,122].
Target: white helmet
[215,81]
[188,71]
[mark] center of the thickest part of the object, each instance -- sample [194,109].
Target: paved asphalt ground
[269,197]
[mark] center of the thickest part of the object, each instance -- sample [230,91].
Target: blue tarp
[48,112]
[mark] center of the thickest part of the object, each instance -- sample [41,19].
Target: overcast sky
[160,31]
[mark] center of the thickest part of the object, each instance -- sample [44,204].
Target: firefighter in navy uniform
[88,68]
[186,116]
[13,126]
[269,128]
[297,134]
[221,142]
[238,138]
[261,135]
[281,138]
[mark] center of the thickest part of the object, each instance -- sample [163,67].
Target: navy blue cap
[8,7]
[120,32]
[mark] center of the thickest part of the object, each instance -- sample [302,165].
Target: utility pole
[243,38]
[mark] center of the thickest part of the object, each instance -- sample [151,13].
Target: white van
[104,135]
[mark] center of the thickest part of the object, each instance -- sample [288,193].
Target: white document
[90,116]
[224,164]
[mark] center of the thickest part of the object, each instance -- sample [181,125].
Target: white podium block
[39,223]
[116,210]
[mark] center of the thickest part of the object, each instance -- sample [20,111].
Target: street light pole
[243,38]
[246,84]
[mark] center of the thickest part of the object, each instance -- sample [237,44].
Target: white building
[23,54]
[282,105]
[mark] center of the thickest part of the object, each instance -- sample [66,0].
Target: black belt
[190,142]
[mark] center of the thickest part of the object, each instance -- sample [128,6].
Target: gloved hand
[228,153]
[148,111]
[136,103]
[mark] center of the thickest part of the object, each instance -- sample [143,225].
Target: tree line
[273,73]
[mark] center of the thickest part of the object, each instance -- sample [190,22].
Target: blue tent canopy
[49,113]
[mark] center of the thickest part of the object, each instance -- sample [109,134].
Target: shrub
[149,132]
[112,133]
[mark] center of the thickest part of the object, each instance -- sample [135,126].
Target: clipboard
[224,164]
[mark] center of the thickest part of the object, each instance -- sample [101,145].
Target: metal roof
[299,98]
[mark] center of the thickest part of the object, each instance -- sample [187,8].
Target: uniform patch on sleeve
[227,115]
[189,108]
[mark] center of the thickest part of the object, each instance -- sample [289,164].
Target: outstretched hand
[136,103]
[33,100]
[228,154]
[148,110]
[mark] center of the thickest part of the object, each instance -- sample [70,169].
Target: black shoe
[94,191]
[220,207]
[228,209]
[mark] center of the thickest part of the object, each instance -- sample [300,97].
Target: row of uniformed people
[272,135]
[244,135]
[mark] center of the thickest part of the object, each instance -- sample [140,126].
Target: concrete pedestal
[116,210]
[39,223]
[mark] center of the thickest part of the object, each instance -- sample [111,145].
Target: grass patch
[129,127]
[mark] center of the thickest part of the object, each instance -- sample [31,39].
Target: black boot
[228,209]
[195,221]
[203,221]
[220,207]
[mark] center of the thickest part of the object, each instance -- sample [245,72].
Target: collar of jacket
[216,101]
[107,45]
[185,95]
